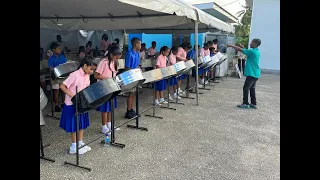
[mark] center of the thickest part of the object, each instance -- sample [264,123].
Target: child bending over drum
[173,80]
[80,79]
[108,68]
[161,85]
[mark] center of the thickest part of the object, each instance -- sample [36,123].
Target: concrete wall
[161,39]
[265,25]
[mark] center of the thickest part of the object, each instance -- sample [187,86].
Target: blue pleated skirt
[106,107]
[173,81]
[161,85]
[68,119]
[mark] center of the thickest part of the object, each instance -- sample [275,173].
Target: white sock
[109,125]
[175,94]
[73,145]
[80,143]
[104,127]
[179,89]
[202,80]
[161,99]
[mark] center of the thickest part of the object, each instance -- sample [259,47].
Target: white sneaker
[180,92]
[81,151]
[85,147]
[156,102]
[163,101]
[104,130]
[170,98]
[175,97]
[200,86]
[206,82]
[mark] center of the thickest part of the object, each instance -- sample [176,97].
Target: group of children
[107,68]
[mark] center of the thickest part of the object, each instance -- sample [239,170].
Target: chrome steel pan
[152,76]
[130,79]
[189,65]
[42,123]
[167,72]
[43,99]
[146,63]
[179,67]
[63,70]
[96,94]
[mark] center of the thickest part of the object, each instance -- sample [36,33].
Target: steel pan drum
[200,60]
[63,70]
[121,63]
[152,76]
[214,60]
[220,56]
[180,66]
[42,123]
[169,71]
[43,99]
[44,64]
[145,63]
[130,79]
[96,94]
[189,65]
[206,60]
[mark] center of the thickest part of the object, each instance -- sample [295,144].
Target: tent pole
[197,52]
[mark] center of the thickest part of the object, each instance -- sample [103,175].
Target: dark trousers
[243,65]
[250,85]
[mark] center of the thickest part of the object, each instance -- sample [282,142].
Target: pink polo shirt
[104,70]
[152,51]
[104,45]
[204,52]
[182,53]
[161,61]
[172,59]
[78,79]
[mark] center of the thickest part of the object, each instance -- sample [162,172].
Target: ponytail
[113,50]
[174,48]
[163,48]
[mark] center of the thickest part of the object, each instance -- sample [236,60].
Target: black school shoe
[130,114]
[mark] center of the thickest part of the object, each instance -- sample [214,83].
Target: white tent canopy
[124,14]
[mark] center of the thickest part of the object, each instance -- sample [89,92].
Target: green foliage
[242,31]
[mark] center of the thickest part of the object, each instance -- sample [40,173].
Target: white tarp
[122,14]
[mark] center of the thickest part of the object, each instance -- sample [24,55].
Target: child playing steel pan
[173,81]
[81,80]
[161,85]
[107,68]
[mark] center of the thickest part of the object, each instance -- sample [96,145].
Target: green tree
[242,31]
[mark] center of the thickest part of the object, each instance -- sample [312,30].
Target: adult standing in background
[62,44]
[104,44]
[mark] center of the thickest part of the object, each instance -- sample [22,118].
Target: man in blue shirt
[252,71]
[132,61]
[56,59]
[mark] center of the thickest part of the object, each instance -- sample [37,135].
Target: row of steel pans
[102,91]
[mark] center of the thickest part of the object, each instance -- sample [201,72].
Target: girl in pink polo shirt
[107,68]
[173,80]
[182,56]
[80,79]
[161,85]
